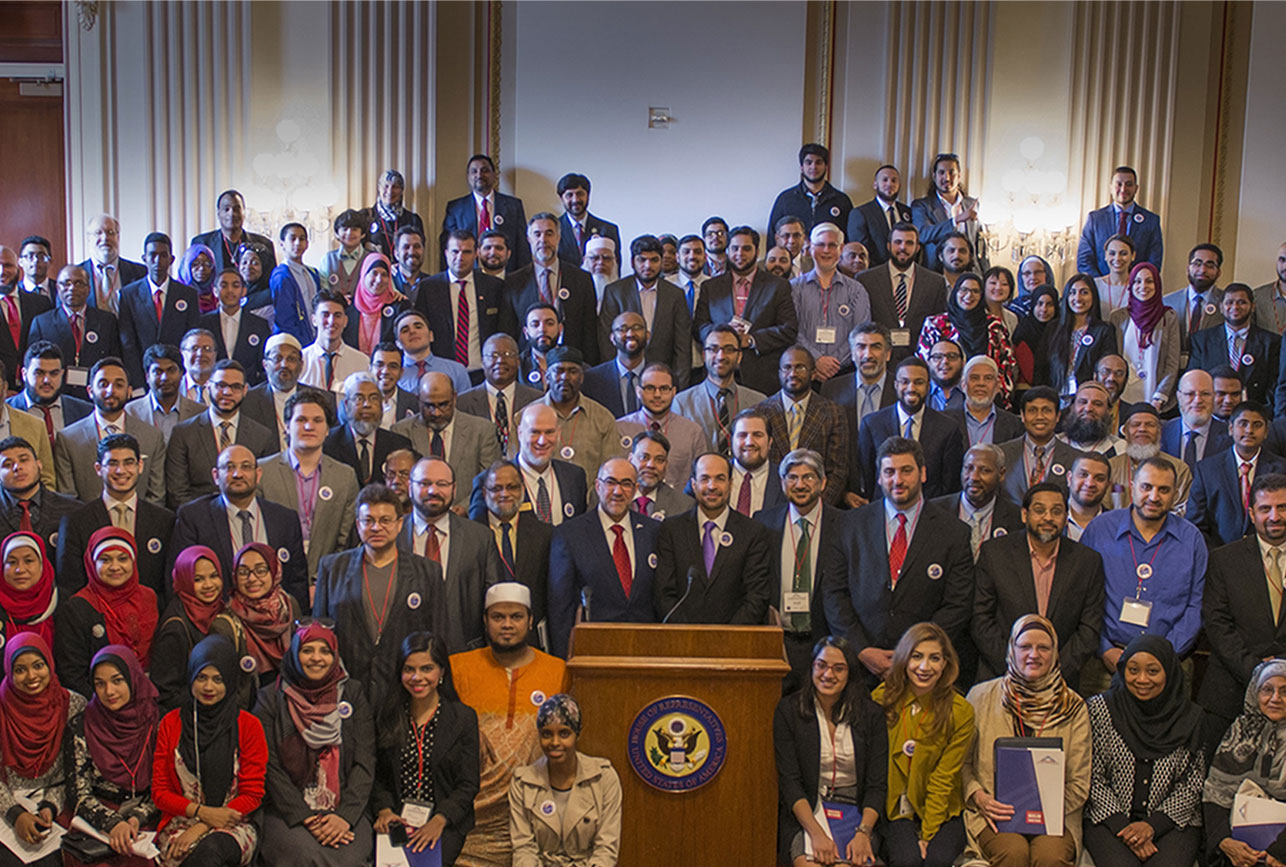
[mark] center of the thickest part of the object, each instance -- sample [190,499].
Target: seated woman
[28,594]
[37,717]
[321,758]
[257,618]
[1253,749]
[854,752]
[968,323]
[427,752]
[1031,339]
[1029,700]
[1148,768]
[208,772]
[198,598]
[114,784]
[584,828]
[113,608]
[930,730]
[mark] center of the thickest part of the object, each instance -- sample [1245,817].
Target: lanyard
[379,618]
[572,422]
[418,733]
[1023,727]
[231,254]
[1138,570]
[133,772]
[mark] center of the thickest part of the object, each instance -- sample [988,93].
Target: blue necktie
[692,296]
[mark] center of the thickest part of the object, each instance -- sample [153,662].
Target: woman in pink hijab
[375,307]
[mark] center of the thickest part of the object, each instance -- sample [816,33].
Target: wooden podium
[618,669]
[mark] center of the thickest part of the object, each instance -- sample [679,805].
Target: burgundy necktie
[621,556]
[25,523]
[743,496]
[1122,223]
[462,327]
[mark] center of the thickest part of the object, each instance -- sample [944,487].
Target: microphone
[692,574]
[586,593]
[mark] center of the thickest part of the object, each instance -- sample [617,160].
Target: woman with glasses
[977,332]
[197,599]
[258,618]
[197,270]
[321,756]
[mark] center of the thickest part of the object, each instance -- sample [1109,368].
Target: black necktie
[506,546]
[502,423]
[435,447]
[364,461]
[631,398]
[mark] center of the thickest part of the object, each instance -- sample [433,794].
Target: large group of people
[293,557]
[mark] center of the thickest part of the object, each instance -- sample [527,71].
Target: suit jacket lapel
[222,532]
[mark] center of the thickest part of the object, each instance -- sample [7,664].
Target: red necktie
[743,496]
[897,551]
[621,556]
[159,303]
[641,502]
[76,333]
[484,218]
[740,295]
[15,320]
[25,524]
[1245,487]
[1122,223]
[431,548]
[462,327]
[49,423]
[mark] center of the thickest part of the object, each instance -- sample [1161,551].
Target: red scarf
[371,306]
[31,726]
[267,619]
[201,614]
[22,607]
[129,610]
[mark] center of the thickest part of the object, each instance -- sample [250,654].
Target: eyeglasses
[625,484]
[304,622]
[228,386]
[258,572]
[1277,692]
[368,522]
[493,356]
[656,389]
[945,356]
[821,666]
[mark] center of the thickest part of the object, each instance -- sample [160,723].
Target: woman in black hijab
[1148,766]
[1031,339]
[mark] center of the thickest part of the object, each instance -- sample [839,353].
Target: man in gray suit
[1036,456]
[1199,304]
[947,209]
[327,521]
[466,442]
[163,406]
[501,397]
[76,446]
[195,445]
[464,549]
[661,304]
[650,455]
[902,293]
[714,402]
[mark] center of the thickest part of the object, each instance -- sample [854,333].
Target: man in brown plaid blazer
[799,418]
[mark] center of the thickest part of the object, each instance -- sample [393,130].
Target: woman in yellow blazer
[930,731]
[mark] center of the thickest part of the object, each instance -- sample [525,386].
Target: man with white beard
[600,262]
[1087,427]
[1142,429]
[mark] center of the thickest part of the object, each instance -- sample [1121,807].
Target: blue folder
[1029,776]
[842,819]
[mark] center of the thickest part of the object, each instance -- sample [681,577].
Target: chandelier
[289,183]
[1034,219]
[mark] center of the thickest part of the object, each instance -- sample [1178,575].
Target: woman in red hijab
[28,595]
[113,608]
[1148,337]
[197,599]
[376,305]
[258,619]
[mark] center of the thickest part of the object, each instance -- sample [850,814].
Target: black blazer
[670,340]
[1006,517]
[80,631]
[252,337]
[204,522]
[1102,342]
[736,590]
[48,508]
[30,306]
[797,746]
[774,519]
[1208,348]
[579,309]
[843,390]
[940,437]
[388,316]
[928,298]
[508,218]
[595,227]
[214,240]
[74,409]
[1006,427]
[770,310]
[532,553]
[868,225]
[54,326]
[855,578]
[603,385]
[341,445]
[572,488]
[433,299]
[139,328]
[153,526]
[128,272]
[1005,590]
[1214,500]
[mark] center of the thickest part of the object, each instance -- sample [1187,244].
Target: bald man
[554,489]
[466,442]
[1195,434]
[19,308]
[106,270]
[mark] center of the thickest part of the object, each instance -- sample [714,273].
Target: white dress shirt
[531,480]
[628,536]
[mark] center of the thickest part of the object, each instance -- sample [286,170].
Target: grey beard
[363,428]
[1141,451]
[600,283]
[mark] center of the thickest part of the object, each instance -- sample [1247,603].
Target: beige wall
[1262,223]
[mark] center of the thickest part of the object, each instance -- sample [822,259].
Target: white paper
[388,855]
[27,854]
[143,845]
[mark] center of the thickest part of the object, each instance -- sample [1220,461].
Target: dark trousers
[799,653]
[902,843]
[1178,847]
[215,850]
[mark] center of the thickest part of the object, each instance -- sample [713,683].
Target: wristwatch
[862,829]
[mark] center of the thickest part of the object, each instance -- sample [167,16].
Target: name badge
[1136,612]
[796,603]
[901,336]
[77,376]
[416,813]
[825,335]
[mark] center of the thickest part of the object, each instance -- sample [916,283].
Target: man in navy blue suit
[154,309]
[871,222]
[1124,216]
[17,308]
[1251,351]
[1220,495]
[486,209]
[1195,434]
[247,332]
[603,561]
[578,226]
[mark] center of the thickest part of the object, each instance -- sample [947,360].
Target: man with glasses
[714,402]
[656,390]
[34,258]
[196,443]
[283,362]
[200,352]
[799,419]
[396,474]
[83,333]
[360,442]
[829,303]
[946,367]
[464,441]
[107,271]
[614,383]
[17,309]
[501,397]
[1195,434]
[237,515]
[661,304]
[714,231]
[521,539]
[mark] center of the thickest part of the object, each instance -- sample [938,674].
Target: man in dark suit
[799,419]
[521,539]
[577,225]
[84,334]
[757,305]
[396,402]
[871,222]
[1195,434]
[542,330]
[1242,604]
[461,328]
[867,389]
[650,455]
[602,562]
[1253,352]
[235,516]
[1199,304]
[140,324]
[940,438]
[1038,571]
[813,200]
[195,444]
[501,397]
[42,395]
[947,209]
[119,466]
[896,563]
[360,442]
[904,294]
[550,280]
[230,208]
[1218,501]
[987,515]
[980,419]
[106,270]
[801,529]
[486,209]
[23,497]
[556,489]
[1036,456]
[461,548]
[614,382]
[371,586]
[1123,216]
[712,563]
[659,302]
[754,481]
[249,333]
[18,308]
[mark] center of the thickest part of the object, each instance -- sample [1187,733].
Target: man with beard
[14,422]
[550,280]
[1161,598]
[505,683]
[754,482]
[195,444]
[669,257]
[76,446]
[1199,303]
[602,561]
[360,442]
[685,439]
[1036,456]
[199,355]
[283,362]
[791,234]
[460,306]
[487,209]
[690,276]
[577,225]
[1228,393]
[777,261]
[389,215]
[614,383]
[106,270]
[1114,373]
[828,304]
[1270,298]
[946,367]
[34,259]
[462,548]
[871,222]
[408,256]
[813,200]
[556,489]
[1251,351]
[854,258]
[903,294]
[1086,427]
[660,303]
[1062,577]
[600,262]
[988,516]
[543,329]
[42,393]
[714,232]
[946,209]
[867,389]
[306,480]
[501,397]
[655,497]
[521,539]
[493,254]
[1088,482]
[1219,503]
[899,540]
[1142,429]
[981,420]
[799,419]
[1122,216]
[396,403]
[25,500]
[466,442]
[396,473]
[714,402]
[939,437]
[1195,435]
[957,257]
[586,429]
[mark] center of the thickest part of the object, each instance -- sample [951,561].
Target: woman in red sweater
[208,776]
